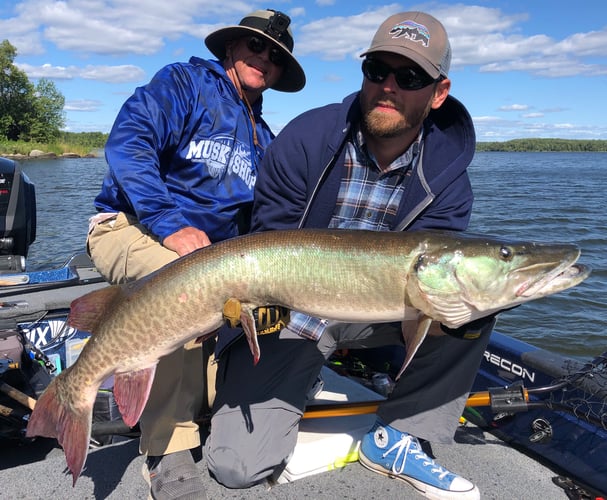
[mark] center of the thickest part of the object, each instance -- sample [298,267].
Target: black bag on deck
[21,368]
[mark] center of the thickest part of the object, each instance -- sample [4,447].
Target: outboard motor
[17,216]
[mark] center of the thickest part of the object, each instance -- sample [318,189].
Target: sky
[531,68]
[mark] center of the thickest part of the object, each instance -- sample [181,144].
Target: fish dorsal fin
[87,311]
[131,391]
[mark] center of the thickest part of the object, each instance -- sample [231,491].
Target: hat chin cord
[233,74]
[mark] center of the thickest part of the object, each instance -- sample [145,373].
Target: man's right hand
[186,240]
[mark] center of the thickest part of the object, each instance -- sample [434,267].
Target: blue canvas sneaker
[399,455]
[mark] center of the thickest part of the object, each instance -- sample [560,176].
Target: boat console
[17,216]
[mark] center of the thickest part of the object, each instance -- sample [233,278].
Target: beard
[388,125]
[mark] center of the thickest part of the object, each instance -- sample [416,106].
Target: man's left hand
[186,240]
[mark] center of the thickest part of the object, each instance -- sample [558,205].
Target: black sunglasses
[406,78]
[258,45]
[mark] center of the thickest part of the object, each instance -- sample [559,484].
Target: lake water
[549,197]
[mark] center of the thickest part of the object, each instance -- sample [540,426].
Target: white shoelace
[409,445]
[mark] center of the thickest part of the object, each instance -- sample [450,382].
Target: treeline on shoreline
[85,143]
[81,143]
[544,145]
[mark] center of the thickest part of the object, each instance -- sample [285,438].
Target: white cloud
[479,36]
[82,105]
[113,41]
[338,37]
[113,74]
[487,119]
[593,43]
[297,12]
[333,77]
[514,107]
[108,74]
[548,67]
[128,27]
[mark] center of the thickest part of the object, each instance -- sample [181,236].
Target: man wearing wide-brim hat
[183,158]
[271,28]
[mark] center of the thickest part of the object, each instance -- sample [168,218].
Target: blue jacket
[181,153]
[303,167]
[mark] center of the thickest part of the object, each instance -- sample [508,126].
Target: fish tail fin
[52,417]
[87,311]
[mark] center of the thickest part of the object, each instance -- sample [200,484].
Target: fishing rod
[582,393]
[500,399]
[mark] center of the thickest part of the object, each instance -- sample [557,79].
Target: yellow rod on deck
[367,407]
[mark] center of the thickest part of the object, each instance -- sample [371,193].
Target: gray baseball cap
[417,36]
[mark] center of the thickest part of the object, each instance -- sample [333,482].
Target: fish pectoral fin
[453,312]
[247,320]
[413,339]
[235,313]
[86,312]
[131,391]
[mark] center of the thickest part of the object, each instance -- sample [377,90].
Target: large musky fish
[350,276]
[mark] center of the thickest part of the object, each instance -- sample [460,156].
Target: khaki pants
[123,250]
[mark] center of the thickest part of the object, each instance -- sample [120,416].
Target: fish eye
[506,253]
[421,262]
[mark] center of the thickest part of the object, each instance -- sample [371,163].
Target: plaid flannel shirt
[368,199]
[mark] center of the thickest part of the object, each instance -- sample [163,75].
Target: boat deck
[38,471]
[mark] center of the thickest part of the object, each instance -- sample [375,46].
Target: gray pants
[258,408]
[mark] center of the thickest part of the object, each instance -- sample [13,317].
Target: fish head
[459,278]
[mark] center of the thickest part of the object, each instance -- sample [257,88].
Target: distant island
[544,145]
[91,144]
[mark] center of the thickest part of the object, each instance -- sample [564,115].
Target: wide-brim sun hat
[274,27]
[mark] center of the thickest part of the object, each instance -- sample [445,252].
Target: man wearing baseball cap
[391,157]
[183,156]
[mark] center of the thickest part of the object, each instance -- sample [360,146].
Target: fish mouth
[566,275]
